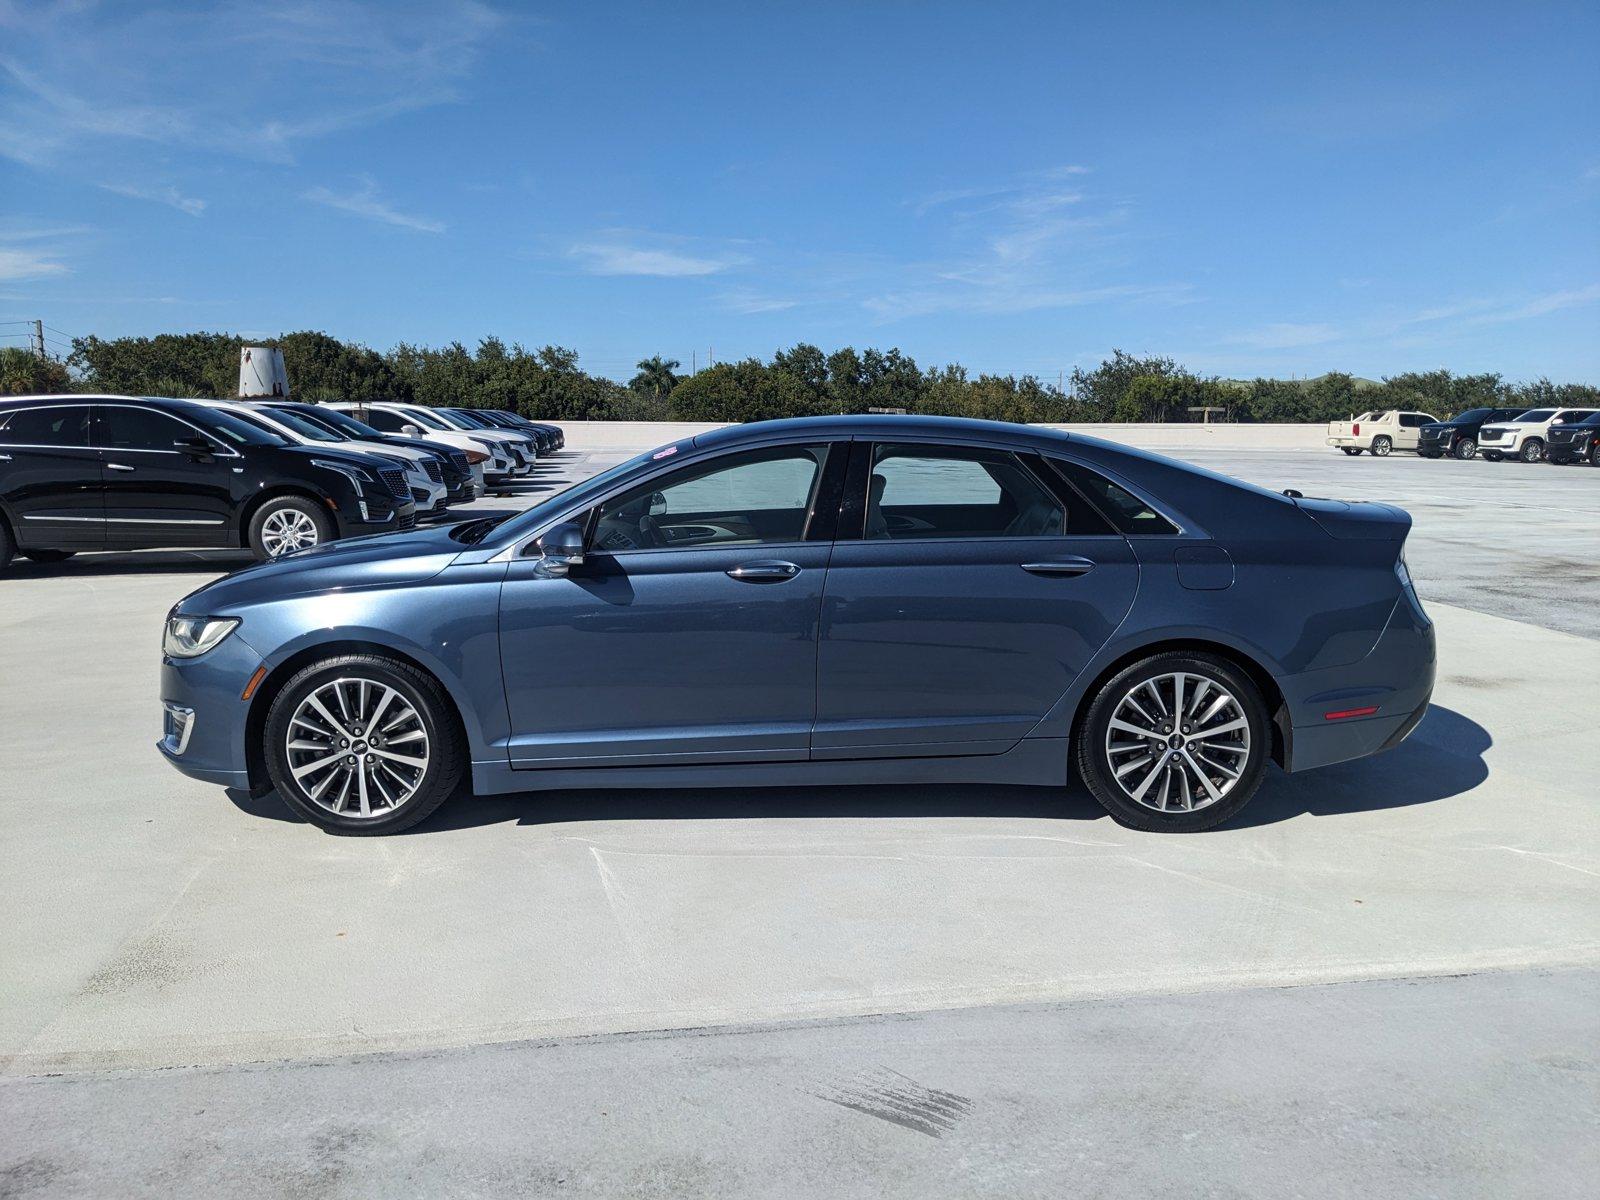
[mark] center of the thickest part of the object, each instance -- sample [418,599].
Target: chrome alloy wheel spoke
[337,748]
[1177,742]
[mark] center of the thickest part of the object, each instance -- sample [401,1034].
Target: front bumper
[203,733]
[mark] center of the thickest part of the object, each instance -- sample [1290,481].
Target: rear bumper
[1396,678]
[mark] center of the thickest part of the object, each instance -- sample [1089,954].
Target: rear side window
[1122,508]
[935,491]
[140,429]
[59,426]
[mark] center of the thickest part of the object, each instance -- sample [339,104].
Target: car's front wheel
[1532,450]
[360,744]
[1381,447]
[1464,448]
[1175,743]
[288,523]
[1594,453]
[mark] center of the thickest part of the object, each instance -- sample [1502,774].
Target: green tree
[741,391]
[656,378]
[24,373]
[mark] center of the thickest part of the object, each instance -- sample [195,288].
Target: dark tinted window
[61,426]
[1476,414]
[385,421]
[739,500]
[930,491]
[1121,507]
[56,426]
[140,429]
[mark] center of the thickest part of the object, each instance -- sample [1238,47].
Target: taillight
[1355,430]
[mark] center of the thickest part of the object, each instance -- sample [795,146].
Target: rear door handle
[118,467]
[1060,566]
[766,571]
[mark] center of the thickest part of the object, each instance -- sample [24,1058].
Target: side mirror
[410,431]
[562,548]
[197,448]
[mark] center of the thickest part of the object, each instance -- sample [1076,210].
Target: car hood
[406,556]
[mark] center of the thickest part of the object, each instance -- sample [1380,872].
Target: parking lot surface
[159,922]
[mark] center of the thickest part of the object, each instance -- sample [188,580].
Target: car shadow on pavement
[134,562]
[1443,758]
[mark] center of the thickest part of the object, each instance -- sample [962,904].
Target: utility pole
[38,339]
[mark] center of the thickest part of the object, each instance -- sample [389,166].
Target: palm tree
[657,376]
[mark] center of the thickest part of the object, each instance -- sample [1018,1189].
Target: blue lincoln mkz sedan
[830,600]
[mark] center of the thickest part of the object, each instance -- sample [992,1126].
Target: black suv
[1574,442]
[1459,435]
[134,473]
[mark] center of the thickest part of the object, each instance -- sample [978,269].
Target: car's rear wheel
[1464,448]
[360,744]
[47,556]
[1532,450]
[1352,451]
[1381,447]
[1175,743]
[288,523]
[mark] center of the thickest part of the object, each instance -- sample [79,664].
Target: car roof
[173,403]
[879,426]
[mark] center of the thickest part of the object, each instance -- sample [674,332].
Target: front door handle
[118,467]
[766,571]
[1060,566]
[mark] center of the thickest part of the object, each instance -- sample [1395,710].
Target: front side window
[957,492]
[59,426]
[141,429]
[749,499]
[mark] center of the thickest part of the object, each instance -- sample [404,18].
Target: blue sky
[1273,189]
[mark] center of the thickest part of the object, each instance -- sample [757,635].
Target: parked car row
[139,472]
[1557,435]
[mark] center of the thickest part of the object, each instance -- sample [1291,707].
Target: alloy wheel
[1177,742]
[286,530]
[357,748]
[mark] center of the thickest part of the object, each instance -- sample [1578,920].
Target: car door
[975,588]
[159,490]
[688,634]
[50,477]
[1407,434]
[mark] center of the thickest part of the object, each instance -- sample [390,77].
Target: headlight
[353,473]
[190,637]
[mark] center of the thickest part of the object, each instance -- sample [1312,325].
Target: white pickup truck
[1378,432]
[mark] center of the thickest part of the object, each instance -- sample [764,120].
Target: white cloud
[28,264]
[162,195]
[365,202]
[623,253]
[1286,335]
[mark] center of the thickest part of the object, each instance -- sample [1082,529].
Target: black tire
[445,744]
[283,507]
[1531,451]
[47,556]
[1594,453]
[1381,447]
[1492,456]
[1094,759]
[7,546]
[1352,451]
[1464,448]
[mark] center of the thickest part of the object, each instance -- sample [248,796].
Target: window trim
[88,444]
[1179,529]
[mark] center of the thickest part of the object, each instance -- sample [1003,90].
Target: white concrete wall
[638,435]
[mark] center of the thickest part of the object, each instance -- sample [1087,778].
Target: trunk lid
[1356,520]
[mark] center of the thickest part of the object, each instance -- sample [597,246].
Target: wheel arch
[280,674]
[1271,693]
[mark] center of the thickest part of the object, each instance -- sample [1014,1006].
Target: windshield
[305,428]
[240,431]
[1538,414]
[338,421]
[472,418]
[451,421]
[424,417]
[1475,414]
